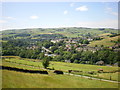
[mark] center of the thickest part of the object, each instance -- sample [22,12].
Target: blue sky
[59,14]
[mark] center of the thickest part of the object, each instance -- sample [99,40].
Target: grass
[106,41]
[30,65]
[82,67]
[114,76]
[59,65]
[105,34]
[12,79]
[24,62]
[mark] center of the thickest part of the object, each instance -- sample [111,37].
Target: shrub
[45,62]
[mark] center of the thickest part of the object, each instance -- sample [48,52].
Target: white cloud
[82,8]
[109,23]
[110,11]
[65,12]
[114,13]
[10,18]
[34,17]
[3,21]
[72,4]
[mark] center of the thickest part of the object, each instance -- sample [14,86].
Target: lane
[93,78]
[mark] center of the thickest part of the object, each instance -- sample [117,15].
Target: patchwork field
[68,32]
[107,41]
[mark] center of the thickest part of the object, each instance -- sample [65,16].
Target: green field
[12,79]
[106,41]
[57,65]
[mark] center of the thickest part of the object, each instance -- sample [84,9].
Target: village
[76,44]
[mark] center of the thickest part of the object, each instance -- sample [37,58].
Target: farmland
[107,41]
[79,50]
[51,80]
[12,79]
[66,32]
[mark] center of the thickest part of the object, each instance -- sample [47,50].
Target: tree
[45,62]
[41,55]
[53,48]
[85,42]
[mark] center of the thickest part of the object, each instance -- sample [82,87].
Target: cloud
[10,18]
[34,17]
[3,21]
[114,13]
[72,4]
[82,8]
[65,12]
[110,11]
[108,23]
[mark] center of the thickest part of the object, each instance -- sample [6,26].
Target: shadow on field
[23,70]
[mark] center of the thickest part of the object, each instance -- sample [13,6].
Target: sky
[19,15]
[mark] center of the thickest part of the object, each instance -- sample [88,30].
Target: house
[100,62]
[68,61]
[32,47]
[112,47]
[45,49]
[57,40]
[50,55]
[83,45]
[90,39]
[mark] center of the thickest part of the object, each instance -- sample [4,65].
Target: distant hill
[60,32]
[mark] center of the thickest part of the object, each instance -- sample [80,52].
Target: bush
[45,62]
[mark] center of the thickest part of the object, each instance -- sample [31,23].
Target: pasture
[32,64]
[12,79]
[107,41]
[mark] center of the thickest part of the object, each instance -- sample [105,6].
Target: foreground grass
[12,79]
[31,65]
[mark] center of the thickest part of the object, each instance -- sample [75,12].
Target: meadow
[107,41]
[13,79]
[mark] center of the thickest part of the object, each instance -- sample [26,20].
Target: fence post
[110,77]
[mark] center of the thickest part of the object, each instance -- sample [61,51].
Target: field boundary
[23,70]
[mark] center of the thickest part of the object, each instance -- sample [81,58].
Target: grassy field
[57,65]
[12,79]
[106,41]
[32,64]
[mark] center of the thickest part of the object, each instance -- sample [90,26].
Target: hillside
[65,32]
[106,41]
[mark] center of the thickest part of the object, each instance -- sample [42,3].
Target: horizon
[21,15]
[56,28]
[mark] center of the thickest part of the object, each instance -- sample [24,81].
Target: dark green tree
[45,62]
[85,42]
